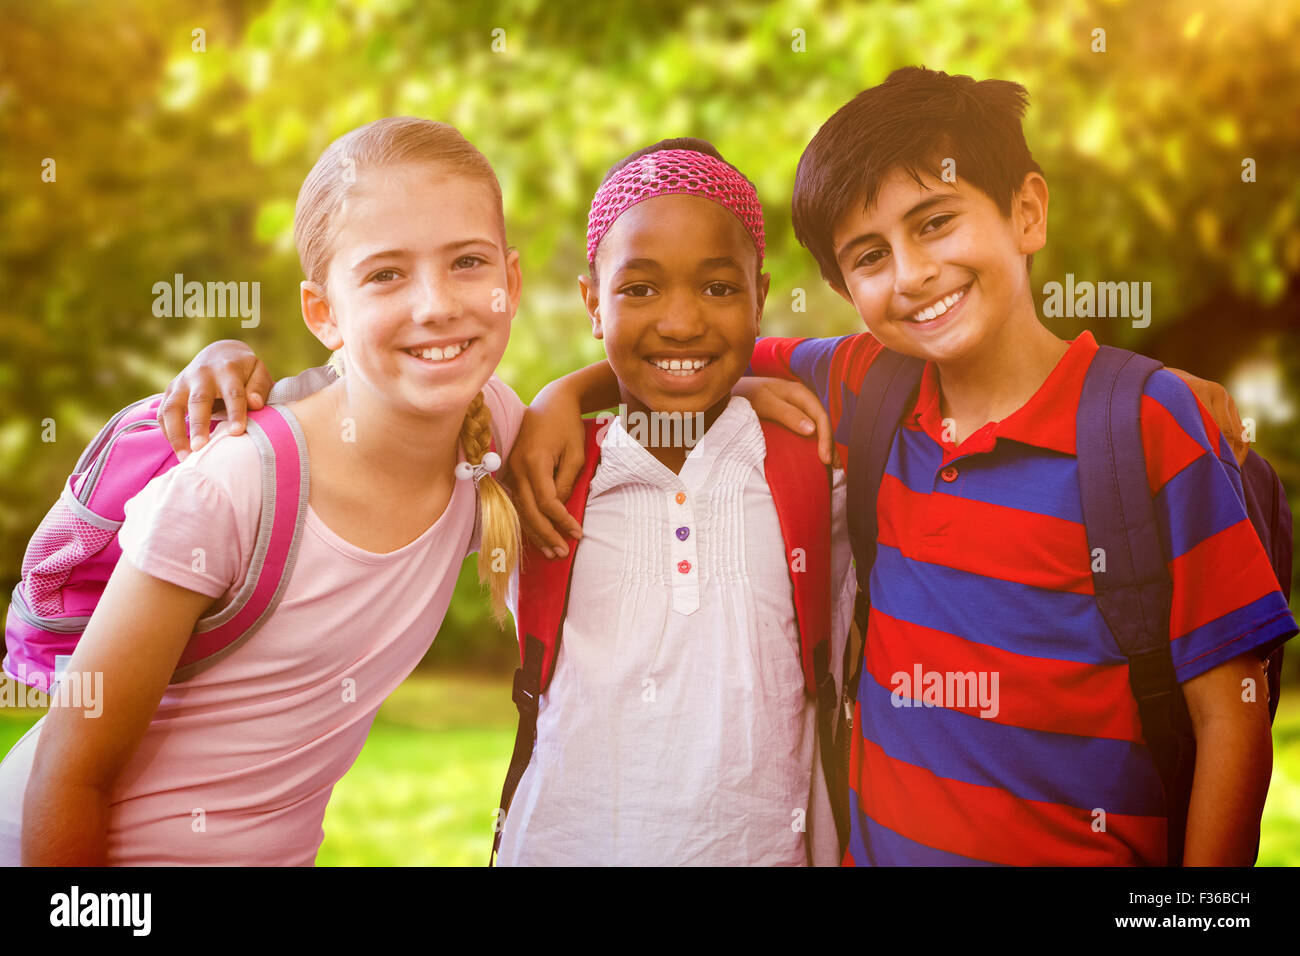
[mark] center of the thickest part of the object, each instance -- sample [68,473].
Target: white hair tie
[490,463]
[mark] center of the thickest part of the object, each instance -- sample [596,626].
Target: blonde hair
[393,141]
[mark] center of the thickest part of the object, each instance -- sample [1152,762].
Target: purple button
[683,534]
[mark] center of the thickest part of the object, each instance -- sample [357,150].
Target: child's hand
[227,370]
[790,404]
[1219,404]
[544,463]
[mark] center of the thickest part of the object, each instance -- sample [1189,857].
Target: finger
[232,393]
[199,406]
[171,416]
[558,520]
[259,386]
[566,475]
[1237,436]
[539,529]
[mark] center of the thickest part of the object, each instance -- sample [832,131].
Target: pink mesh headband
[667,172]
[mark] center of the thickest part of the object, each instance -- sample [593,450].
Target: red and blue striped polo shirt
[995,720]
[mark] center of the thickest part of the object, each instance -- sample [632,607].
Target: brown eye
[468,262]
[384,275]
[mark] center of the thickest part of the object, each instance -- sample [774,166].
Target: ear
[318,315]
[514,279]
[591,299]
[1029,214]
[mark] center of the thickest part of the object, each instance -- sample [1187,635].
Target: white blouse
[676,730]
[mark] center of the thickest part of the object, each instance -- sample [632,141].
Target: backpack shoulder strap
[285,483]
[1130,579]
[543,598]
[801,490]
[887,391]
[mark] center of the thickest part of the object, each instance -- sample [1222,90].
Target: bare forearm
[1234,759]
[64,824]
[594,388]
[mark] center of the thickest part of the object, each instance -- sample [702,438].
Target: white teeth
[680,367]
[939,308]
[435,354]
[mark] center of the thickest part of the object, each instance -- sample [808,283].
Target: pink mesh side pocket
[67,536]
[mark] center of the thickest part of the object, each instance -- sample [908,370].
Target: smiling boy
[982,563]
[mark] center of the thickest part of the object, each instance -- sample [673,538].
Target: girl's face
[678,284]
[421,289]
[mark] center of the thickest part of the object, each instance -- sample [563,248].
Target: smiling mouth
[681,368]
[935,309]
[435,354]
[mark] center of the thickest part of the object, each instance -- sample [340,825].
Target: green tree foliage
[181,153]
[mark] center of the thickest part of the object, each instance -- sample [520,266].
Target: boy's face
[935,269]
[678,283]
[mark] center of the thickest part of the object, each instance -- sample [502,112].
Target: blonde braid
[499,539]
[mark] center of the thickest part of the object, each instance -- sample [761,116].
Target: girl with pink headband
[675,728]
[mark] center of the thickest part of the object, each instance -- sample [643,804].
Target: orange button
[949,474]
[681,497]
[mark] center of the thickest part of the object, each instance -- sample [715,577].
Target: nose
[681,318]
[437,300]
[913,268]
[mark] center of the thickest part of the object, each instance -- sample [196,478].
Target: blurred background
[143,139]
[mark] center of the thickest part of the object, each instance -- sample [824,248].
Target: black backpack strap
[527,694]
[835,769]
[1131,582]
[886,395]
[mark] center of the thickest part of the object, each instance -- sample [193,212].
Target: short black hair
[677,142]
[912,121]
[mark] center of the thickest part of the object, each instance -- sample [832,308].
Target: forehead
[675,230]
[899,193]
[414,204]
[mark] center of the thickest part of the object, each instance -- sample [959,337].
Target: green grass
[426,784]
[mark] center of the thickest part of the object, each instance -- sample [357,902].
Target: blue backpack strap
[888,389]
[1130,579]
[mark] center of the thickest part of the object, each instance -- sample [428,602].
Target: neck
[998,378]
[405,450]
[653,430]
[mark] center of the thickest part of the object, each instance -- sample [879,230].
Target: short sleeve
[507,413]
[832,368]
[1226,599]
[195,526]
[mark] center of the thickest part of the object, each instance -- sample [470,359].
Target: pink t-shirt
[239,761]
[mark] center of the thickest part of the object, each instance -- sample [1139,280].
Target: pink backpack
[72,554]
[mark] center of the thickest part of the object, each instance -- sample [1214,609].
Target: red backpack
[801,490]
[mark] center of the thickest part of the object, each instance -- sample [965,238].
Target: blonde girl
[409,280]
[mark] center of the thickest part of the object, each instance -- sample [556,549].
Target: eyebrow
[921,207]
[362,263]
